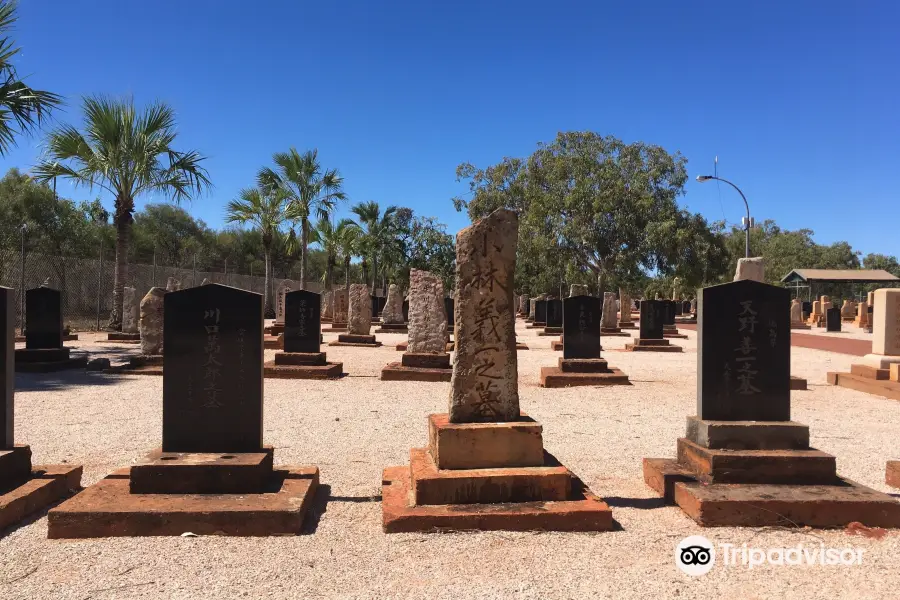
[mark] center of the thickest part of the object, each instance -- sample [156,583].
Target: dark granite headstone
[833,319]
[302,321]
[527,306]
[653,315]
[406,311]
[807,308]
[679,308]
[7,359]
[540,311]
[581,327]
[669,314]
[686,307]
[448,308]
[554,313]
[744,352]
[43,318]
[213,370]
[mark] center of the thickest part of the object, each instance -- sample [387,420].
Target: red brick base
[326,371]
[48,483]
[892,473]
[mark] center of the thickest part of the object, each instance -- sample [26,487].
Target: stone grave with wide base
[625,319]
[150,360]
[426,357]
[540,314]
[797,315]
[670,330]
[609,321]
[24,488]
[554,318]
[359,321]
[873,374]
[44,351]
[743,462]
[581,363]
[213,475]
[302,337]
[339,320]
[485,467]
[650,334]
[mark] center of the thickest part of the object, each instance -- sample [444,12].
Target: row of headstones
[551,312]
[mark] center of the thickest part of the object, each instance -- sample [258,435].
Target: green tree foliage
[22,108]
[172,234]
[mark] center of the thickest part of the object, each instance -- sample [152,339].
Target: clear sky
[797,99]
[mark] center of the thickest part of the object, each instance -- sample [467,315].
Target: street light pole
[702,178]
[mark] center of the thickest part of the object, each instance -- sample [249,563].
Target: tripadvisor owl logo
[695,555]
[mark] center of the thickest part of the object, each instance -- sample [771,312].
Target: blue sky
[797,99]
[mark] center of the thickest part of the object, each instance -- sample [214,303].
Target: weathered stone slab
[130,311]
[578,289]
[359,321]
[7,369]
[484,385]
[393,306]
[427,320]
[610,318]
[283,289]
[340,306]
[151,324]
[753,269]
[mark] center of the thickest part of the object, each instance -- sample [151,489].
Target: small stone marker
[578,289]
[393,306]
[43,318]
[833,319]
[130,311]
[152,322]
[862,314]
[753,269]
[7,361]
[744,353]
[624,308]
[610,318]
[328,305]
[213,370]
[653,316]
[554,313]
[581,327]
[283,288]
[360,319]
[532,305]
[885,324]
[484,386]
[340,306]
[302,321]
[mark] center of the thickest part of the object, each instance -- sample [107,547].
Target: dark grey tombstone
[406,311]
[540,311]
[213,370]
[669,314]
[679,308]
[527,306]
[686,307]
[744,352]
[807,309]
[448,308]
[43,318]
[554,313]
[302,321]
[7,360]
[581,327]
[833,319]
[653,316]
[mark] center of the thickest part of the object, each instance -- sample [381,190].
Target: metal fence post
[99,285]
[22,283]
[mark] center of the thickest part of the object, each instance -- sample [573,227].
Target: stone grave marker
[540,311]
[449,310]
[302,321]
[653,314]
[484,385]
[7,361]
[283,288]
[554,313]
[744,352]
[833,319]
[213,370]
[43,318]
[581,327]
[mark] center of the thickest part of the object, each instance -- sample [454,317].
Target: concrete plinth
[867,378]
[613,332]
[419,367]
[44,485]
[351,339]
[578,372]
[108,509]
[536,325]
[392,328]
[143,365]
[551,331]
[647,345]
[201,473]
[302,365]
[337,327]
[46,360]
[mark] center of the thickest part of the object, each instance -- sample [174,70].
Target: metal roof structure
[839,276]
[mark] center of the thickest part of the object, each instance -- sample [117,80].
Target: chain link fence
[87,283]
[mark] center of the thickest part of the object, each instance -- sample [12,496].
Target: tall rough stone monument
[753,269]
[392,320]
[213,474]
[625,321]
[359,320]
[24,488]
[426,358]
[484,467]
[797,315]
[609,323]
[339,318]
[131,314]
[742,461]
[151,324]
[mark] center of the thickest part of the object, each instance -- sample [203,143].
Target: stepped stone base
[302,365]
[108,509]
[800,326]
[551,331]
[419,367]
[650,345]
[43,486]
[537,325]
[142,365]
[46,360]
[337,327]
[865,378]
[613,332]
[352,339]
[578,372]
[493,476]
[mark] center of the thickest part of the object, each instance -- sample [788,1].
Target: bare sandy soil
[352,428]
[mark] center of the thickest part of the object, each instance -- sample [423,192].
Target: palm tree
[21,107]
[267,211]
[378,232]
[127,154]
[308,188]
[348,236]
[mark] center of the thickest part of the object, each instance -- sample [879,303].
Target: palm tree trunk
[347,275]
[329,273]
[304,237]
[374,272]
[267,297]
[123,231]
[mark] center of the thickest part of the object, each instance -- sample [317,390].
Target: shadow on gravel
[319,506]
[641,503]
[61,380]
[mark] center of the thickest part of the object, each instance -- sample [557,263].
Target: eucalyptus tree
[310,190]
[127,153]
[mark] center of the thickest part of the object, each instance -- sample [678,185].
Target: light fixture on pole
[748,222]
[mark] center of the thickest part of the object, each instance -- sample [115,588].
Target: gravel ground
[352,428]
